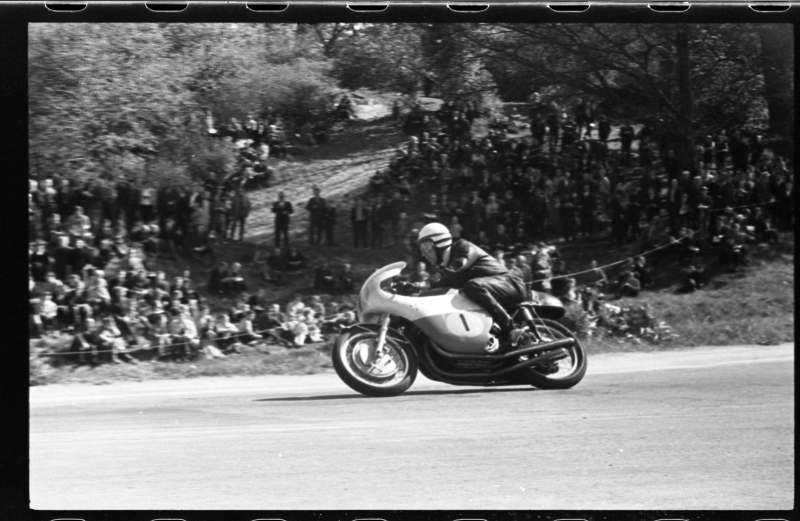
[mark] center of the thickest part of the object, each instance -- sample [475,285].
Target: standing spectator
[330,225]
[240,210]
[283,210]
[634,210]
[359,217]
[79,223]
[316,217]
[219,217]
[40,262]
[346,279]
[380,217]
[626,135]
[586,202]
[147,204]
[720,150]
[786,205]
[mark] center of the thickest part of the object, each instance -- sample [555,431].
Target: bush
[634,322]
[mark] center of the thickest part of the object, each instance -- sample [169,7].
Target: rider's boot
[505,332]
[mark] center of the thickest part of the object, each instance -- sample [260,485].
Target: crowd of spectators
[562,180]
[94,246]
[93,267]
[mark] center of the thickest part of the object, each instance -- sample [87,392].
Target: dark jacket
[467,262]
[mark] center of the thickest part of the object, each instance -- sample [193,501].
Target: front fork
[380,349]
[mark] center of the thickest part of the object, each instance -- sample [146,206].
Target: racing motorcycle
[445,335]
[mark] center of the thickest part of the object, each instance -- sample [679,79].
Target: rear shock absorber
[528,319]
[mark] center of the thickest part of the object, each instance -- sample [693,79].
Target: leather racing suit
[482,279]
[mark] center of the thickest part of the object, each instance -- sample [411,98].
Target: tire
[549,329]
[352,351]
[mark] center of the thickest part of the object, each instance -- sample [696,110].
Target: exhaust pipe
[547,357]
[538,348]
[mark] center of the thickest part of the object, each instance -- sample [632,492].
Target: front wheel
[363,369]
[563,373]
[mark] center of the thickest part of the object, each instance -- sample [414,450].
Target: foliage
[635,322]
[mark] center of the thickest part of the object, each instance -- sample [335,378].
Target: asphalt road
[707,428]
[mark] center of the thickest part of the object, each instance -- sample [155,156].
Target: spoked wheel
[359,364]
[562,372]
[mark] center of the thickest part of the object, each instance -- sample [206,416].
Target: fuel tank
[457,324]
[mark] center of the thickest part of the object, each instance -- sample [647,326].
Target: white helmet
[438,233]
[433,240]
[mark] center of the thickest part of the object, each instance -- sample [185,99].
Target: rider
[462,265]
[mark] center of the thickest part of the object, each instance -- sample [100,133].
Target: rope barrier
[671,243]
[151,346]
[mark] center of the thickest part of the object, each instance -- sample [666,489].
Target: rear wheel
[562,373]
[369,372]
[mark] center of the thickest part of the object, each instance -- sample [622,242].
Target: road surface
[707,428]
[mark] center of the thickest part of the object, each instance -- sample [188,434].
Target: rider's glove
[404,288]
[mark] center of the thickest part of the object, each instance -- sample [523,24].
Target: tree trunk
[684,150]
[777,54]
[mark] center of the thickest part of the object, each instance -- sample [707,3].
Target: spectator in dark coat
[359,217]
[240,210]
[316,217]
[330,225]
[283,211]
[380,215]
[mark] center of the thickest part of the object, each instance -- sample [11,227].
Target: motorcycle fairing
[450,319]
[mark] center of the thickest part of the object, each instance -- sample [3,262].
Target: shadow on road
[409,393]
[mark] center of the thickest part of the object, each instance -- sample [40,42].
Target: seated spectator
[111,342]
[170,239]
[261,260]
[183,336]
[300,331]
[596,278]
[763,229]
[87,342]
[205,248]
[313,325]
[41,262]
[629,285]
[48,313]
[570,295]
[338,322]
[642,272]
[216,276]
[226,335]
[234,281]
[246,333]
[78,223]
[294,262]
[238,310]
[694,278]
[521,263]
[296,305]
[346,280]
[420,276]
[274,327]
[316,306]
[205,323]
[324,281]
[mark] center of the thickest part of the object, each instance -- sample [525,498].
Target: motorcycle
[444,335]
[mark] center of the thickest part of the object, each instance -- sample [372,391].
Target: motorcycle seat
[544,305]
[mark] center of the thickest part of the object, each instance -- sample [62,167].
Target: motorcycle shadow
[407,393]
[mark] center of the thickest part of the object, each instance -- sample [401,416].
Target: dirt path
[341,169]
